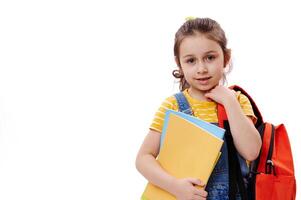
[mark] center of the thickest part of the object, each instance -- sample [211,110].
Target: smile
[203,81]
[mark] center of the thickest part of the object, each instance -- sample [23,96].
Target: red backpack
[271,175]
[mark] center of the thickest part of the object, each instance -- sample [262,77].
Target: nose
[202,68]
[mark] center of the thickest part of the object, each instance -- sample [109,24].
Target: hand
[221,94]
[185,189]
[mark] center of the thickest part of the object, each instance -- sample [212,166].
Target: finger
[196,181]
[208,95]
[201,192]
[197,197]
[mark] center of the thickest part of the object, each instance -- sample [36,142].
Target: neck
[198,94]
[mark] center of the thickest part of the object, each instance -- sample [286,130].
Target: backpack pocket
[269,186]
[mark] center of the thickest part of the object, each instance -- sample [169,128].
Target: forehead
[198,45]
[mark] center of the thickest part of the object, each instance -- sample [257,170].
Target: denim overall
[218,183]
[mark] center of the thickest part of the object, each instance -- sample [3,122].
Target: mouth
[203,81]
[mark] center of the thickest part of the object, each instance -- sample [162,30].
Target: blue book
[211,128]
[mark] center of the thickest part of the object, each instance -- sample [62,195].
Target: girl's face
[202,62]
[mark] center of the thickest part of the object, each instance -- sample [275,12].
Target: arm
[148,166]
[246,138]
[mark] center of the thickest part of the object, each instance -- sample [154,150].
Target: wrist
[230,103]
[172,185]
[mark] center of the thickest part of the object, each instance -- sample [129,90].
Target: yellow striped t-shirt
[204,110]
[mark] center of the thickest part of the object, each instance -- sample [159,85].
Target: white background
[80,82]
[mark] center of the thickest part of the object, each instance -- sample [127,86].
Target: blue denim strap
[183,104]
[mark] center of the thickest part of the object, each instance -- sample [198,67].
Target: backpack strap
[266,164]
[183,104]
[235,173]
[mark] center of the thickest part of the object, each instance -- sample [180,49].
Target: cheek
[219,70]
[187,73]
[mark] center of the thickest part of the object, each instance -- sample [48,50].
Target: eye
[190,60]
[210,57]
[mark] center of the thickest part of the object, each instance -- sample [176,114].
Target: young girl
[201,54]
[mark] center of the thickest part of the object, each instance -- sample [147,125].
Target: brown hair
[212,30]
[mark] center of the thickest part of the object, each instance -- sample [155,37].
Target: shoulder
[170,103]
[243,99]
[246,106]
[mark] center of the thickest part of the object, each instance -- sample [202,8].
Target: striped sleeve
[158,121]
[247,107]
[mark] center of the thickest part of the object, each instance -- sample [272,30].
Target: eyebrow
[212,51]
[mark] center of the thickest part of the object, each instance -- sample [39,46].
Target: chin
[206,88]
